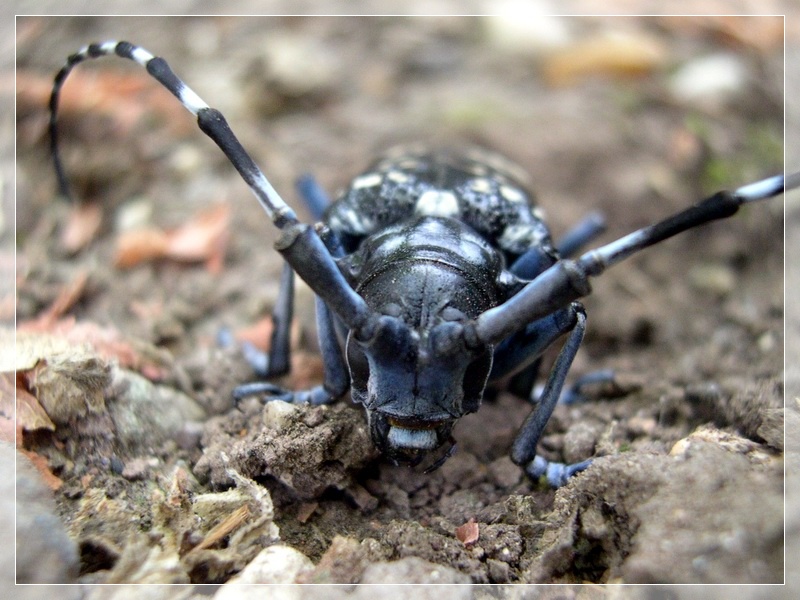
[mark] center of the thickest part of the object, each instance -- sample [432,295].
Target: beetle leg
[313,195]
[523,451]
[587,229]
[335,382]
[574,394]
[523,347]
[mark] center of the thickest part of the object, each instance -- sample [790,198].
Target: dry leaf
[82,226]
[30,414]
[258,334]
[65,300]
[69,387]
[616,54]
[202,239]
[468,532]
[123,97]
[67,336]
[763,33]
[41,465]
[138,246]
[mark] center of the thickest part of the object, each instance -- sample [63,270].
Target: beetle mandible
[439,274]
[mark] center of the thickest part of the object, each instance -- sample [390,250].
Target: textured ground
[154,476]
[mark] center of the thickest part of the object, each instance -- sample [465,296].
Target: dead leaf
[82,226]
[35,341]
[201,239]
[123,97]
[65,300]
[468,533]
[763,33]
[30,414]
[69,387]
[258,334]
[614,54]
[41,465]
[138,246]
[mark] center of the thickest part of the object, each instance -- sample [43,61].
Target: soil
[159,478]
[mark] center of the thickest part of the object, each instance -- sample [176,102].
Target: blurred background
[635,116]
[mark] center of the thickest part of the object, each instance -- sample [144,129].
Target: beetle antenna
[300,244]
[210,121]
[719,206]
[568,280]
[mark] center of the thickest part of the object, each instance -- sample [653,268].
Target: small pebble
[708,79]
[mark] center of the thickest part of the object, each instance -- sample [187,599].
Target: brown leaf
[65,300]
[70,386]
[258,334]
[123,97]
[138,246]
[468,532]
[615,55]
[40,462]
[82,226]
[30,414]
[35,341]
[201,239]
[763,33]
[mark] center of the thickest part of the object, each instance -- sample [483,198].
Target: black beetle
[438,272]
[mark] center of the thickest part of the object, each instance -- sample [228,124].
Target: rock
[278,564]
[45,553]
[308,449]
[709,79]
[416,570]
[146,415]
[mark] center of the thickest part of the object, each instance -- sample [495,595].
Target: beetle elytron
[440,274]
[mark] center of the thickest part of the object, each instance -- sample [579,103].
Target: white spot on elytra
[350,221]
[514,234]
[481,185]
[511,194]
[365,181]
[437,203]
[397,176]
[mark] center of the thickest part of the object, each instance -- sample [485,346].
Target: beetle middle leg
[523,450]
[521,348]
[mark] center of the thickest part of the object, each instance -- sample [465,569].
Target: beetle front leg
[276,361]
[523,451]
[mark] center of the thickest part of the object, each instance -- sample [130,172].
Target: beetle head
[415,387]
[414,371]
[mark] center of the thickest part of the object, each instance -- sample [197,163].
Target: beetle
[434,273]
